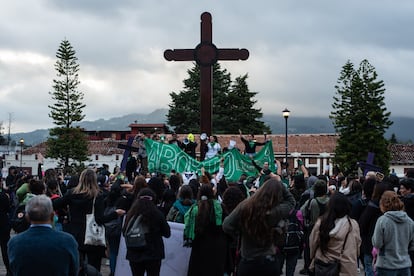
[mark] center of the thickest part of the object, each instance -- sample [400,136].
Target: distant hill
[402,126]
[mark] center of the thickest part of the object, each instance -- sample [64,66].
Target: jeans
[368,265]
[113,253]
[394,272]
[291,259]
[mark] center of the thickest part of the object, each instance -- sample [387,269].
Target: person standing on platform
[250,144]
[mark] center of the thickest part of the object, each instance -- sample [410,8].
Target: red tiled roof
[303,143]
[101,147]
[402,154]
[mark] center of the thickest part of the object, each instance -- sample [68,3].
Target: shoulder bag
[94,233]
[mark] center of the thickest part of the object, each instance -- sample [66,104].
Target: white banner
[176,256]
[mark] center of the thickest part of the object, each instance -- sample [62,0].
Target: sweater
[249,246]
[394,236]
[43,251]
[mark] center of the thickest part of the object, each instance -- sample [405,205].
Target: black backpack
[19,223]
[294,236]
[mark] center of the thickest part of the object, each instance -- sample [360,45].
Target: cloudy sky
[297,50]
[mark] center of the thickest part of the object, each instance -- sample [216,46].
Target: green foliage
[393,139]
[68,105]
[233,105]
[66,142]
[360,117]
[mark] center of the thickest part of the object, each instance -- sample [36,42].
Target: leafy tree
[360,117]
[66,141]
[232,105]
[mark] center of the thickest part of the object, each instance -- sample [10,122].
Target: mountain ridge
[402,126]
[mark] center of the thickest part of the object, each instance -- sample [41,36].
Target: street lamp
[286,114]
[21,153]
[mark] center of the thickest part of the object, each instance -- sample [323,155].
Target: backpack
[307,219]
[294,236]
[19,222]
[135,233]
[322,207]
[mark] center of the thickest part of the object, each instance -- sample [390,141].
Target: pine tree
[66,141]
[393,139]
[360,117]
[232,105]
[240,109]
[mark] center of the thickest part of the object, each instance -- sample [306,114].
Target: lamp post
[286,114]
[21,153]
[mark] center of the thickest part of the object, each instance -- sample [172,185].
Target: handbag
[94,233]
[331,268]
[135,233]
[327,269]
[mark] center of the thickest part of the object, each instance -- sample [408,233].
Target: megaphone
[186,141]
[203,136]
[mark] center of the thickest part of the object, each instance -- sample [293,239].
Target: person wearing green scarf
[213,148]
[204,234]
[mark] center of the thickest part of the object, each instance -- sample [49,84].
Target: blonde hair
[88,184]
[390,202]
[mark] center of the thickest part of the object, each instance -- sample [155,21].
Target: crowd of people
[246,227]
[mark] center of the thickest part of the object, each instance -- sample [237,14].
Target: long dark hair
[143,205]
[205,213]
[254,214]
[338,207]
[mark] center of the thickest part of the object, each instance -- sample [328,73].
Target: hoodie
[394,237]
[409,205]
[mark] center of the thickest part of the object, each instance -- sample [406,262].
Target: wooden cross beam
[128,149]
[369,165]
[206,54]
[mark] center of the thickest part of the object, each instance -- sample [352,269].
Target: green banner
[163,158]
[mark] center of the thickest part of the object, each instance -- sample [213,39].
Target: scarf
[190,218]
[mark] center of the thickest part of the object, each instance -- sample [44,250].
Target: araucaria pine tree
[67,142]
[360,117]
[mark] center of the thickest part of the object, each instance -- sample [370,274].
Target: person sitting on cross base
[212,148]
[189,145]
[250,144]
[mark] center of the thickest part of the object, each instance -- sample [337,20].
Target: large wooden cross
[206,55]
[128,149]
